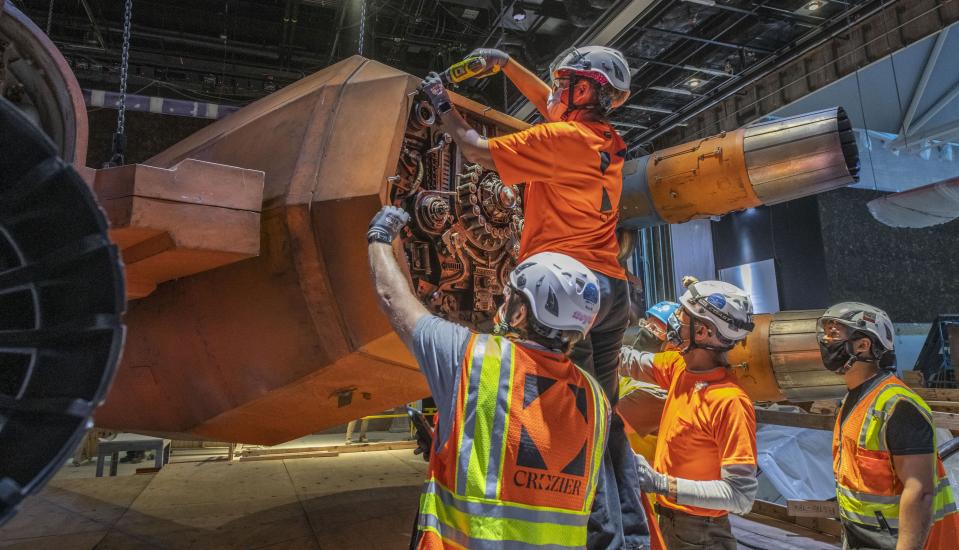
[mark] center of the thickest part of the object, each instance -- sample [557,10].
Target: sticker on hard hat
[591,294]
[717,300]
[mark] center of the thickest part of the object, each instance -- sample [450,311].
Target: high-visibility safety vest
[520,466]
[867,487]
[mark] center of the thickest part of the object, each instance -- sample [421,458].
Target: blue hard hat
[663,311]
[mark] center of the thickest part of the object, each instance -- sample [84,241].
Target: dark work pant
[598,353]
[683,531]
[617,519]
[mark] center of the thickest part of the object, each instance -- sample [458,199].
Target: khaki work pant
[683,531]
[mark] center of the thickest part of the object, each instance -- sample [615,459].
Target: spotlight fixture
[814,5]
[694,82]
[519,14]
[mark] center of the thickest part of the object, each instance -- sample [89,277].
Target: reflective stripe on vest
[491,524]
[466,505]
[882,510]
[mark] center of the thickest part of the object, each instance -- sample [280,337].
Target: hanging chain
[119,137]
[124,63]
[49,17]
[362,25]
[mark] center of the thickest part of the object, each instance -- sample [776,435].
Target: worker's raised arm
[530,85]
[395,296]
[473,145]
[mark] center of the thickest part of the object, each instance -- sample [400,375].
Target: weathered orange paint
[292,341]
[701,178]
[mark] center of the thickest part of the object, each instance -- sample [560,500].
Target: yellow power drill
[467,68]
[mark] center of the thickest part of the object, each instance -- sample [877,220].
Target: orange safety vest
[867,487]
[520,466]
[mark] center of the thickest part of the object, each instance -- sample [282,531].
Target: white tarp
[796,461]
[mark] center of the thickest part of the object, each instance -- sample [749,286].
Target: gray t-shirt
[439,347]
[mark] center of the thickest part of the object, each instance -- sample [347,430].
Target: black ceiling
[686,53]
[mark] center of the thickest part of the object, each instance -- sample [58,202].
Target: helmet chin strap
[853,359]
[571,106]
[692,344]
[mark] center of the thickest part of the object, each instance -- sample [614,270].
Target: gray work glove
[650,480]
[436,92]
[387,224]
[495,60]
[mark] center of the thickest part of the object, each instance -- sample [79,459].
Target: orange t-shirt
[708,422]
[574,177]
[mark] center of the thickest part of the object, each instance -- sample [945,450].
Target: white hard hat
[605,65]
[864,318]
[562,292]
[725,306]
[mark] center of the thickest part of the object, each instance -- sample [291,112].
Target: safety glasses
[832,330]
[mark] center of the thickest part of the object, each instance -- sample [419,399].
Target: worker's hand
[387,224]
[495,60]
[436,92]
[650,480]
[627,356]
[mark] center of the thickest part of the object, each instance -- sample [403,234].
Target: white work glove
[628,357]
[650,480]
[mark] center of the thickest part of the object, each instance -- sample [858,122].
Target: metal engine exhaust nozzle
[760,164]
[801,155]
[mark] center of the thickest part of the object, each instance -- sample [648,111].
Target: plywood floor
[358,500]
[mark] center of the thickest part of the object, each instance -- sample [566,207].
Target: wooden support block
[287,456]
[777,511]
[949,421]
[796,420]
[913,378]
[356,448]
[812,508]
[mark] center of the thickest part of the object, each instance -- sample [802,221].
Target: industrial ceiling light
[519,14]
[694,82]
[814,5]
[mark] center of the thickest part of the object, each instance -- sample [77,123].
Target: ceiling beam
[694,38]
[632,125]
[904,142]
[93,23]
[714,72]
[649,109]
[924,80]
[932,111]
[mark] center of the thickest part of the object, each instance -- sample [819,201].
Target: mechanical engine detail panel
[463,239]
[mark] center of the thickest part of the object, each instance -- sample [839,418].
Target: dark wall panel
[788,232]
[800,261]
[911,273]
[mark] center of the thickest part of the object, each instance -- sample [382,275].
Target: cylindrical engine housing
[760,164]
[781,361]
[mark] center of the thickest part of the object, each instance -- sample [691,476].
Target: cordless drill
[465,69]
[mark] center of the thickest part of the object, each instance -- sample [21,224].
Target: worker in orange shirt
[572,166]
[891,486]
[705,463]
